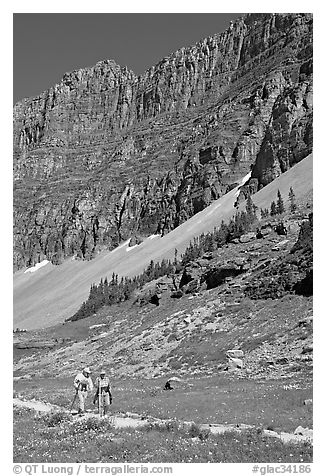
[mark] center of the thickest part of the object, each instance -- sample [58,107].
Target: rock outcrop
[106,155]
[210,273]
[292,273]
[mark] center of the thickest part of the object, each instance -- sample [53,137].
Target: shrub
[56,418]
[93,424]
[168,426]
[196,432]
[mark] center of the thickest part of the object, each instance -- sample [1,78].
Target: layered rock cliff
[106,155]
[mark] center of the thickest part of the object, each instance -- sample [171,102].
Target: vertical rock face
[106,154]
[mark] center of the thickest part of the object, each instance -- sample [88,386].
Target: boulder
[208,256]
[306,322]
[259,234]
[234,364]
[308,401]
[192,287]
[235,353]
[192,272]
[307,349]
[307,432]
[282,361]
[247,237]
[293,227]
[217,273]
[168,386]
[155,299]
[147,295]
[266,231]
[281,229]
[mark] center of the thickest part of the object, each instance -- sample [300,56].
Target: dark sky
[46,45]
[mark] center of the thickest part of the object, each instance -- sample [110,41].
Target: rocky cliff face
[105,154]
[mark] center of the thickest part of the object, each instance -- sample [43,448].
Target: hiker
[83,383]
[103,391]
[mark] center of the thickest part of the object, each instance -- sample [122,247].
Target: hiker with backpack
[103,393]
[83,384]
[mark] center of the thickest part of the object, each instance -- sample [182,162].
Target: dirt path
[34,405]
[133,420]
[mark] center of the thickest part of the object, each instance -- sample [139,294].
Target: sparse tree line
[207,242]
[277,207]
[118,290]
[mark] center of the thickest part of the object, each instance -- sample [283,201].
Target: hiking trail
[133,420]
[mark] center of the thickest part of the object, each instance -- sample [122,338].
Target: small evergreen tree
[273,209]
[150,270]
[251,208]
[293,205]
[175,261]
[209,243]
[279,204]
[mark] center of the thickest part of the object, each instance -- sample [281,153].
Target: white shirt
[81,379]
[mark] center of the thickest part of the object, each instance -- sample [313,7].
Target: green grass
[37,440]
[214,399]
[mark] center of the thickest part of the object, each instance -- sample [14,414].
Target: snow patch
[131,248]
[215,205]
[245,179]
[126,243]
[151,237]
[37,266]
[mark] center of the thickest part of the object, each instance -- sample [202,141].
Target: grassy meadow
[56,438]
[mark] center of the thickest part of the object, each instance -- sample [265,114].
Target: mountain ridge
[88,175]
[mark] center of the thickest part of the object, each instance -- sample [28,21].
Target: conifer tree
[273,209]
[208,243]
[250,208]
[175,261]
[293,205]
[279,204]
[150,270]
